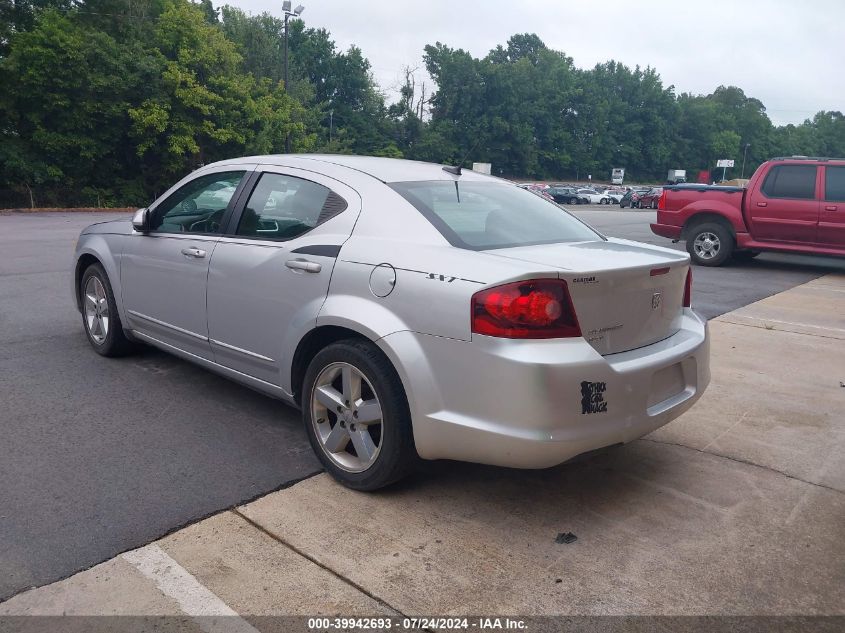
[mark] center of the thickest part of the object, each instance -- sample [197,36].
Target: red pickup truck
[793,205]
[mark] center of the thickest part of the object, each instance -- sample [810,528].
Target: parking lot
[101,456]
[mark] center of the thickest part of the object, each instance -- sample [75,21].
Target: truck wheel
[710,244]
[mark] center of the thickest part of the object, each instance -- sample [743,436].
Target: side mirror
[140,221]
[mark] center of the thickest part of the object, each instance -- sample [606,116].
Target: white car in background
[614,195]
[594,196]
[409,310]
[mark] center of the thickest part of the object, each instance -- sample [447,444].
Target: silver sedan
[410,310]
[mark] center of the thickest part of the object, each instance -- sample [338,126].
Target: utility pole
[744,152]
[288,14]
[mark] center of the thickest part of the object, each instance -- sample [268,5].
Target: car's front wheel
[573,201]
[356,415]
[99,314]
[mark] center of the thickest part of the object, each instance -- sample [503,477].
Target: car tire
[710,244]
[573,201]
[621,206]
[336,433]
[654,204]
[100,317]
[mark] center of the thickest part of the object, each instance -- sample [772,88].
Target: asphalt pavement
[100,455]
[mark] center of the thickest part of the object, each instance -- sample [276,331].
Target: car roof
[386,170]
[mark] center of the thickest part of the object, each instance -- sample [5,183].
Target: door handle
[193,252]
[303,264]
[830,208]
[762,204]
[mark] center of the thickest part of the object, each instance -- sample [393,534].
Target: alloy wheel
[707,245]
[96,310]
[346,416]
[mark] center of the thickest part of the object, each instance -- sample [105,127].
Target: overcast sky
[787,53]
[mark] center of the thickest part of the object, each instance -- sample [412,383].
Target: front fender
[107,249]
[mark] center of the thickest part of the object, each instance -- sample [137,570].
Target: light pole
[744,152]
[288,14]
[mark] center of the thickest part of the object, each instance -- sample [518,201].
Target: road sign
[725,162]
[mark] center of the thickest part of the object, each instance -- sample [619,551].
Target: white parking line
[193,597]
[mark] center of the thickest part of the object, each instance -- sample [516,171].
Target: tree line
[107,102]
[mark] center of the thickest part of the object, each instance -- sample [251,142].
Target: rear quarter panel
[683,203]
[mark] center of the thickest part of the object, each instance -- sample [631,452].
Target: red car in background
[794,204]
[649,199]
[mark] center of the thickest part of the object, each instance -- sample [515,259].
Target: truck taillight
[537,308]
[661,203]
[688,290]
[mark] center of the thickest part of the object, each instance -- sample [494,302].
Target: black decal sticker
[592,397]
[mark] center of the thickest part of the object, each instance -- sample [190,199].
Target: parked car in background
[593,346]
[614,195]
[792,204]
[650,199]
[594,196]
[539,190]
[632,198]
[567,195]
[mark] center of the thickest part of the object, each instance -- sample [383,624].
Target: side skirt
[268,389]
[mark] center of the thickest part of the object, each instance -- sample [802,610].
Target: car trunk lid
[626,295]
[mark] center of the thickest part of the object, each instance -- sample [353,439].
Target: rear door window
[834,184]
[283,207]
[485,215]
[791,181]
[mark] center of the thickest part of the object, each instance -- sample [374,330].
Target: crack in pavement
[317,562]
[742,461]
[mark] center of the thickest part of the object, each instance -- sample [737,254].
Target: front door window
[197,206]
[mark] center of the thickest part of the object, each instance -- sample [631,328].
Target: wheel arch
[315,340]
[704,217]
[82,264]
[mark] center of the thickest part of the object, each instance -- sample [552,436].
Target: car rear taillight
[537,308]
[661,203]
[688,290]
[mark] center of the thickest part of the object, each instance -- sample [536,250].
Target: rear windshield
[485,215]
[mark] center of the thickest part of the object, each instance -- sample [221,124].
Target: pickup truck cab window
[791,181]
[834,187]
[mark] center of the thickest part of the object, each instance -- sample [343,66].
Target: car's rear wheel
[356,415]
[710,244]
[99,314]
[573,201]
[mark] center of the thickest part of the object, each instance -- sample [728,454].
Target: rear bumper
[667,230]
[534,404]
